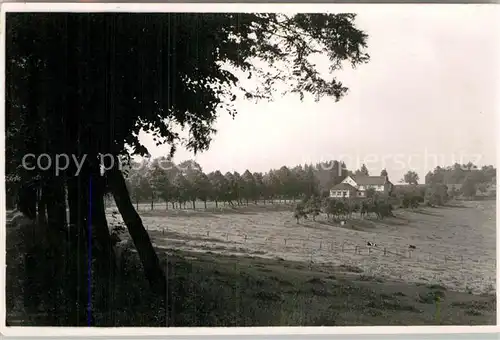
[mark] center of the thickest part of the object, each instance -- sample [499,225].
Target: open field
[219,277]
[207,289]
[252,291]
[455,245]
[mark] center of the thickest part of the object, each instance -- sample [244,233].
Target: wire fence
[471,269]
[314,246]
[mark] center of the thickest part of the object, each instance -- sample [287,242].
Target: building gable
[349,180]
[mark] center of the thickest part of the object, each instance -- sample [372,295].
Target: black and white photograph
[175,168]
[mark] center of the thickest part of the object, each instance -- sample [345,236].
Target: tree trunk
[140,236]
[194,205]
[152,204]
[216,204]
[56,210]
[104,253]
[42,208]
[76,251]
[205,202]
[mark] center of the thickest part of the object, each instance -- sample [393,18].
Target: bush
[313,207]
[437,194]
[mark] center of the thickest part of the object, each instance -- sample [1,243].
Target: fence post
[163,231]
[356,250]
[342,246]
[208,233]
[227,236]
[320,244]
[245,238]
[285,242]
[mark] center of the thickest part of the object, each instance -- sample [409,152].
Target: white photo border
[364,332]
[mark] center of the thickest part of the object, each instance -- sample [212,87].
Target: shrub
[437,194]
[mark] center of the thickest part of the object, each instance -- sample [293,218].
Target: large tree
[411,177]
[112,75]
[363,171]
[249,186]
[220,187]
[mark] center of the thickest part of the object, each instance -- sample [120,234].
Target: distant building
[356,186]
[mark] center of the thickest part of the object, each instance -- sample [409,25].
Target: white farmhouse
[356,186]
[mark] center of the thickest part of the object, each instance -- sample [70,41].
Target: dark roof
[344,186]
[369,180]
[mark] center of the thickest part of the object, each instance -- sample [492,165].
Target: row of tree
[163,180]
[175,184]
[455,174]
[459,173]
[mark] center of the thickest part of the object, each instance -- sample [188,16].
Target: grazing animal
[412,246]
[371,244]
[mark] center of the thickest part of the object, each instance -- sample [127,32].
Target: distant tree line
[177,184]
[162,180]
[465,179]
[445,183]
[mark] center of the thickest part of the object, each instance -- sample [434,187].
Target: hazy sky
[426,96]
